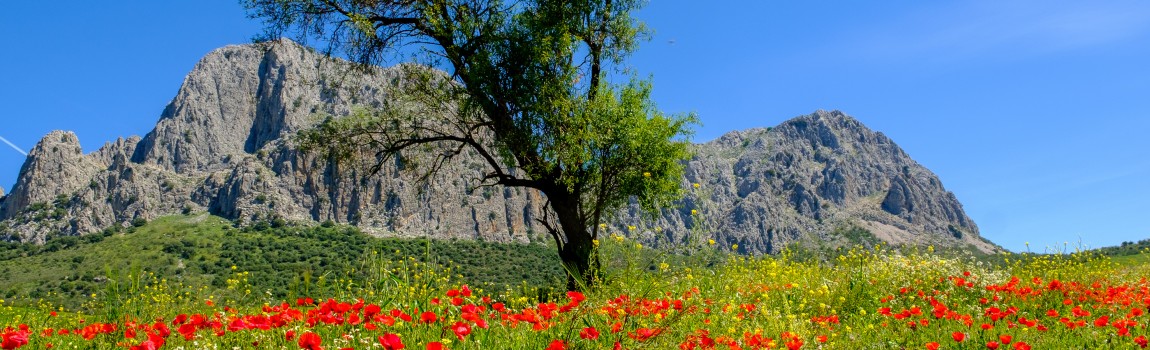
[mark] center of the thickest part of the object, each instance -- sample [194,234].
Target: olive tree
[526,85]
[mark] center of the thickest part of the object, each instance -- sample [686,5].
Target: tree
[525,86]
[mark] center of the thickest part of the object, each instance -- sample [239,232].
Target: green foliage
[1126,248]
[526,90]
[860,298]
[856,235]
[202,250]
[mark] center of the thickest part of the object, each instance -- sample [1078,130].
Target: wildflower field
[865,298]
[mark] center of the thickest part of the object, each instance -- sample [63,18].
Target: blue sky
[1035,113]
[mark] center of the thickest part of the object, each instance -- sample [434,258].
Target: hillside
[224,146]
[204,251]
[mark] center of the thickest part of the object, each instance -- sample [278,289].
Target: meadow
[876,297]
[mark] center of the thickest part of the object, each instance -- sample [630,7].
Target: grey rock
[56,167]
[764,189]
[225,145]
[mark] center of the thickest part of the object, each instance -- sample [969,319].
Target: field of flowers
[876,298]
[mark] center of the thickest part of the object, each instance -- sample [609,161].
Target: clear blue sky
[1035,113]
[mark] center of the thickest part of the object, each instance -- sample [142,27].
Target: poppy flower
[153,342]
[576,297]
[428,317]
[461,329]
[557,345]
[1005,338]
[642,334]
[435,346]
[14,339]
[932,346]
[310,341]
[794,344]
[958,336]
[589,333]
[1102,321]
[391,342]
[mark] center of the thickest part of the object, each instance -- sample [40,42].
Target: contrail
[13,146]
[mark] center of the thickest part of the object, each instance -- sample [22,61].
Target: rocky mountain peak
[765,188]
[55,166]
[211,115]
[223,145]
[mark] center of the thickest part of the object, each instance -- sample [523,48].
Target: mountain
[804,179]
[225,145]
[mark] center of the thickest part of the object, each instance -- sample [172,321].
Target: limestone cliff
[765,188]
[224,144]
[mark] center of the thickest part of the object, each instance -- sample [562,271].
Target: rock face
[763,189]
[225,145]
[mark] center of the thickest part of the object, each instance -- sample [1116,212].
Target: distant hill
[224,145]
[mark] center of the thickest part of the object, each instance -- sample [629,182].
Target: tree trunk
[579,255]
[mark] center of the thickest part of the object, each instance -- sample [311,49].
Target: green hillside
[284,261]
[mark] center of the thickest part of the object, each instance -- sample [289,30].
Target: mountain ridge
[224,145]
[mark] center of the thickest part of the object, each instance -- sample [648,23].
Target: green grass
[203,250]
[1131,260]
[879,297]
[861,298]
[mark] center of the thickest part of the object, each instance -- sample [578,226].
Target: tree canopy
[526,85]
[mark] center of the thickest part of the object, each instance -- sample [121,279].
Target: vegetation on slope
[203,250]
[878,298]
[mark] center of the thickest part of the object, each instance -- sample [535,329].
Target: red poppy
[1005,338]
[371,310]
[557,345]
[576,297]
[1021,346]
[153,342]
[435,346]
[14,339]
[794,344]
[428,317]
[390,342]
[932,346]
[642,334]
[461,329]
[992,345]
[958,336]
[1102,321]
[589,333]
[310,341]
